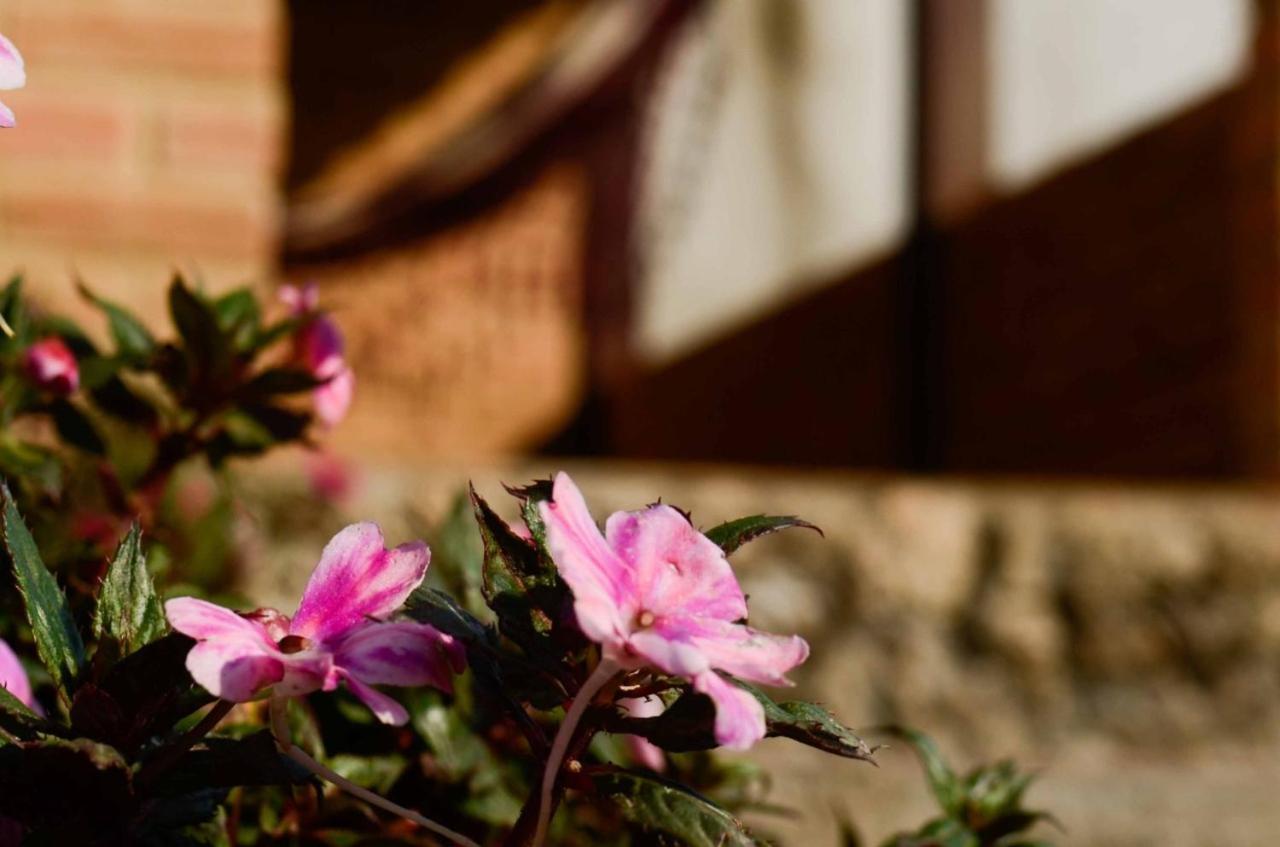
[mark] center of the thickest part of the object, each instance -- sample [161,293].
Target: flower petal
[13,73]
[645,752]
[358,578]
[319,342]
[383,707]
[300,299]
[7,121]
[201,619]
[398,653]
[670,652]
[333,398]
[739,716]
[13,676]
[740,650]
[677,570]
[603,597]
[233,670]
[307,671]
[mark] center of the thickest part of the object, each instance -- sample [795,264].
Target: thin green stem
[600,677]
[280,729]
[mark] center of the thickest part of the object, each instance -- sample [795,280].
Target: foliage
[122,747]
[147,423]
[982,808]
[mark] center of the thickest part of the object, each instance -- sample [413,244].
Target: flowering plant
[552,682]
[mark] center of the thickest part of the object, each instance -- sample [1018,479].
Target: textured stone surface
[1124,641]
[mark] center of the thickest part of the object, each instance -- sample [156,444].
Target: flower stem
[169,756]
[600,677]
[280,729]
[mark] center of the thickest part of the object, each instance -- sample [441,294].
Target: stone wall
[1125,641]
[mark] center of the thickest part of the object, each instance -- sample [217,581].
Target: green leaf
[943,832]
[117,399]
[377,773]
[208,349]
[688,723]
[433,606]
[994,790]
[128,610]
[811,725]
[64,783]
[14,311]
[57,640]
[656,805]
[944,783]
[75,428]
[1011,823]
[531,496]
[279,330]
[523,590]
[133,340]
[153,690]
[276,381]
[283,424]
[731,535]
[499,674]
[228,762]
[19,723]
[457,556]
[456,750]
[239,316]
[29,462]
[171,821]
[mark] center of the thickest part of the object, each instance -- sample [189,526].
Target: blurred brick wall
[466,341]
[150,135]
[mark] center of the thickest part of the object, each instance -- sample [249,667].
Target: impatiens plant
[124,693]
[96,435]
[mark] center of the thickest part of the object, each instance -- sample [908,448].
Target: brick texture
[467,341]
[150,135]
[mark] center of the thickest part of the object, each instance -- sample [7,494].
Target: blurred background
[988,288]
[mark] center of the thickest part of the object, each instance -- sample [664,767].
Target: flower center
[645,619]
[294,644]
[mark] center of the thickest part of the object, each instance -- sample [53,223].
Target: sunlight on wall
[777,160]
[1074,76]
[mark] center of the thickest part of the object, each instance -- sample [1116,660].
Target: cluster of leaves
[982,808]
[116,762]
[85,464]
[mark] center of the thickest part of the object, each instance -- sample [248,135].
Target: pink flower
[14,678]
[336,635]
[51,366]
[654,592]
[318,347]
[13,74]
[644,751]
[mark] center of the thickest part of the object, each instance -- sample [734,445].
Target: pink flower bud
[52,367]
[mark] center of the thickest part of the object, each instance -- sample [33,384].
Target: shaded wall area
[1122,317]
